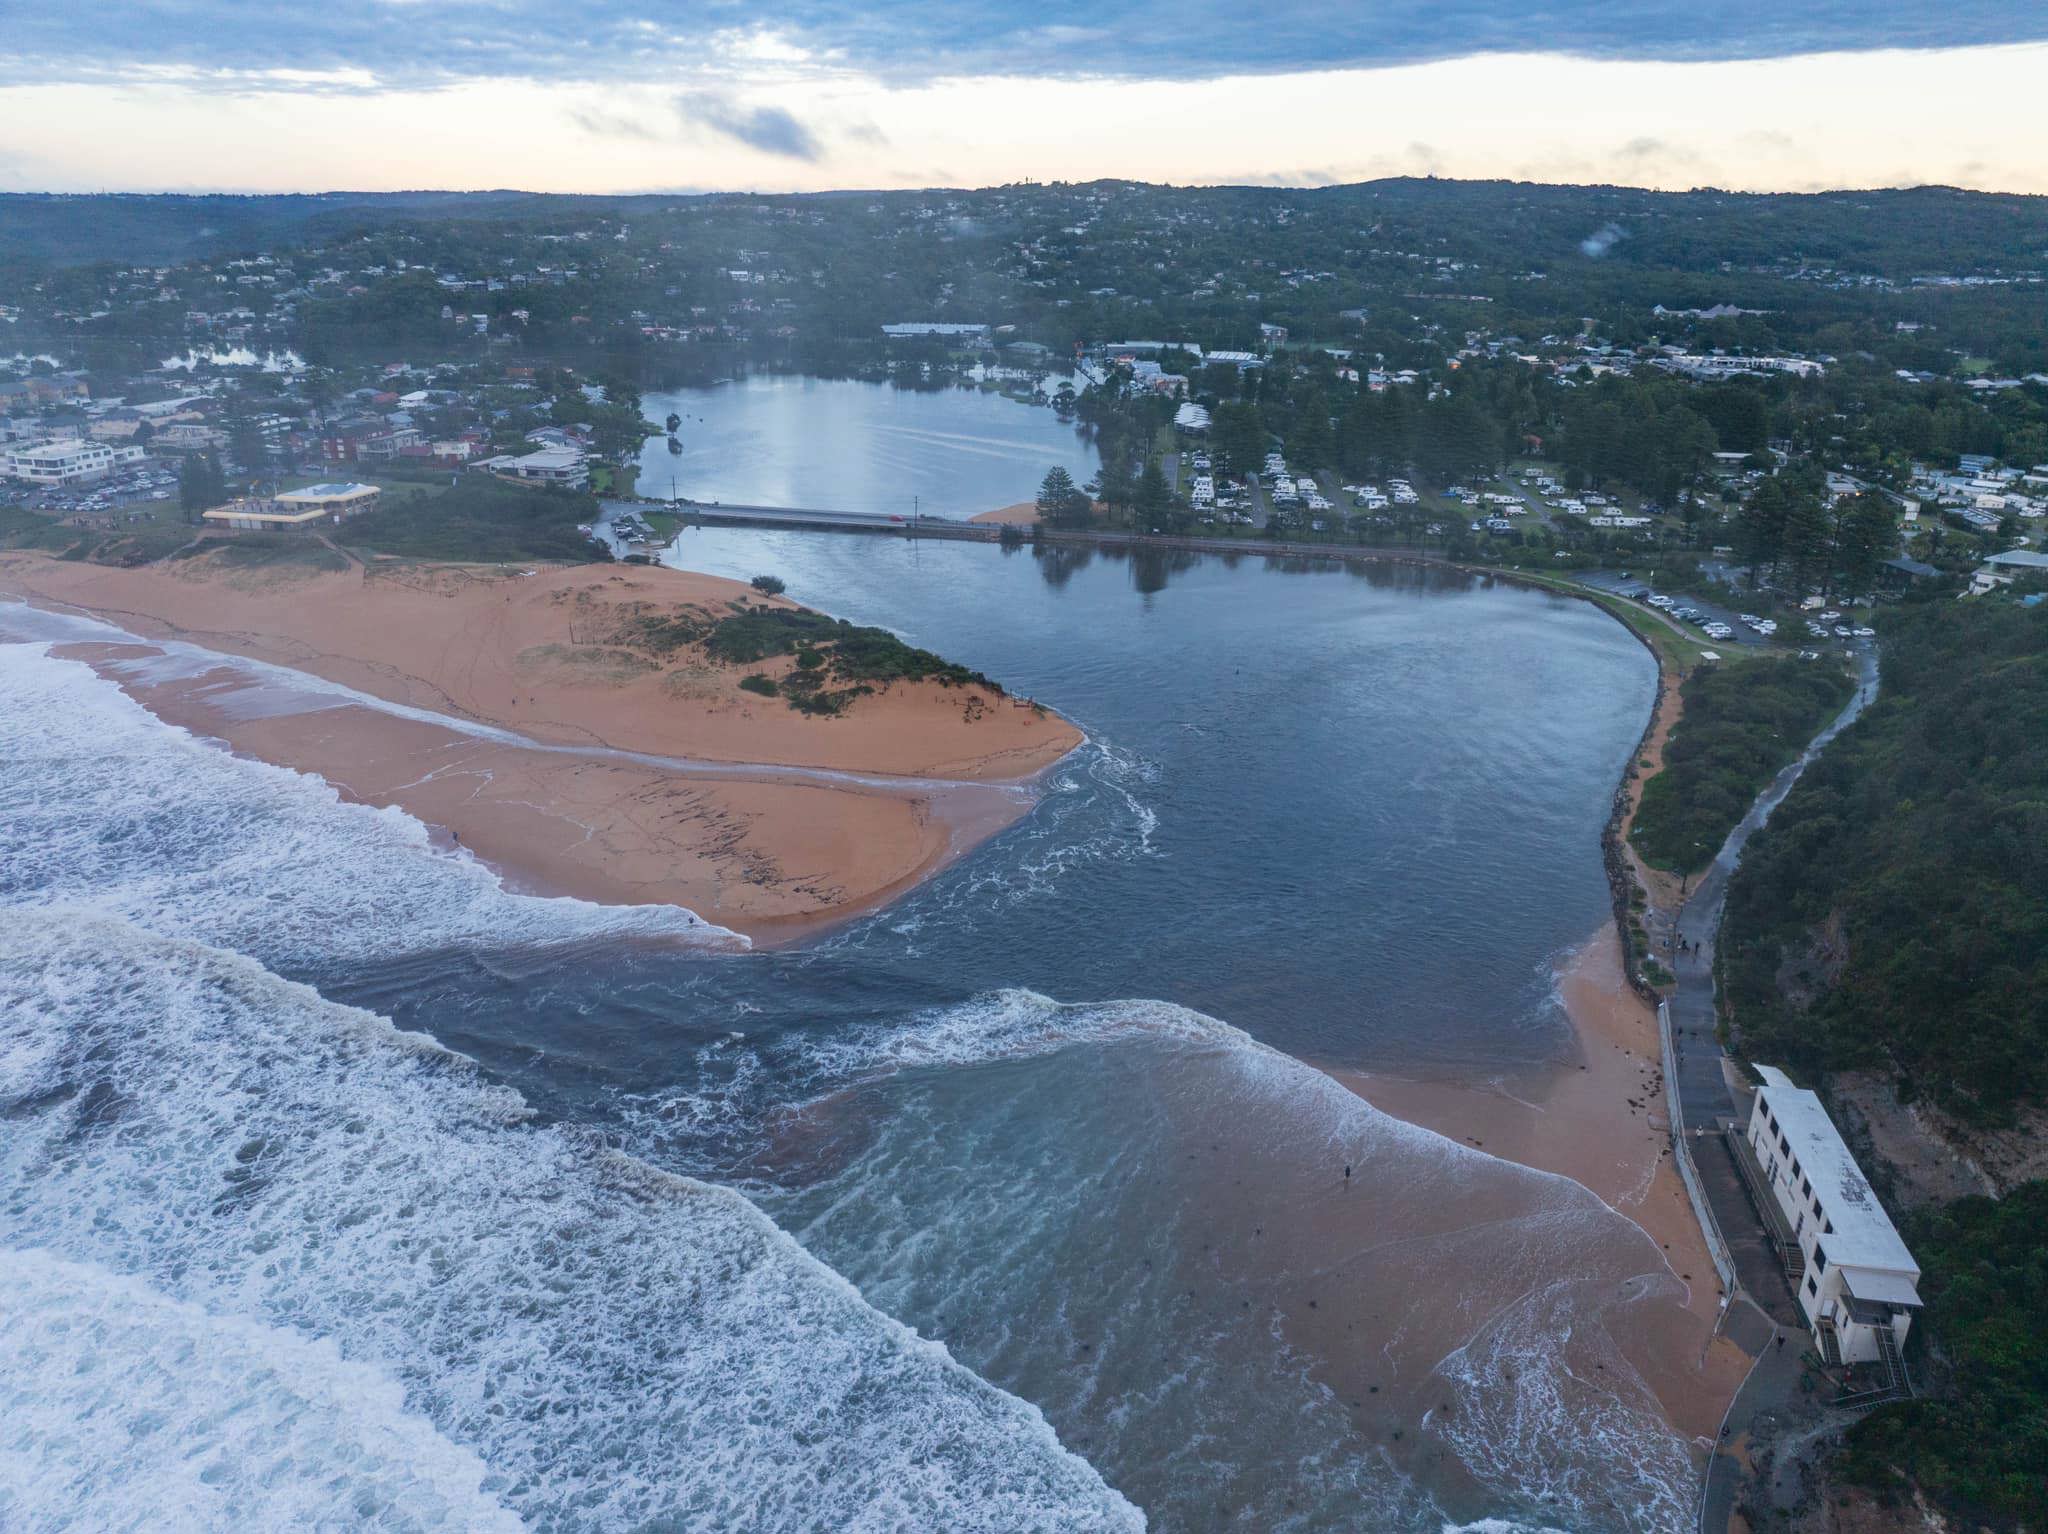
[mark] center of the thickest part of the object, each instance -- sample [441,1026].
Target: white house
[1857,1284]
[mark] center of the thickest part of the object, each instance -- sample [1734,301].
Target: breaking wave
[621,1347]
[128,1410]
[104,805]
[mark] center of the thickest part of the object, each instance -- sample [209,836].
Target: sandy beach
[1599,1119]
[757,829]
[1023,514]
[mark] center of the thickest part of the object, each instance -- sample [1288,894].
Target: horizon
[956,189]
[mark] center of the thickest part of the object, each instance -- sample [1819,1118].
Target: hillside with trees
[1740,725]
[1894,912]
[1979,1443]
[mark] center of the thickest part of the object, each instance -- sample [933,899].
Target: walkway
[1708,1100]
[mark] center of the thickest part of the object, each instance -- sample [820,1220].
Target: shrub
[757,682]
[769,585]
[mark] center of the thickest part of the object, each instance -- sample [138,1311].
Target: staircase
[1894,1366]
[1893,1383]
[1830,1344]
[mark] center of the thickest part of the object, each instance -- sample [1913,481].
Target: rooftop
[1863,1235]
[327,492]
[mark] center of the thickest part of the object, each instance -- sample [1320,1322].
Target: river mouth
[1338,816]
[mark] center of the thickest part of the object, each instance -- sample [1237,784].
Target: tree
[1866,532]
[201,484]
[1237,434]
[1060,501]
[1154,500]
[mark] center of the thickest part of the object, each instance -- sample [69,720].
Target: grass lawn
[1676,649]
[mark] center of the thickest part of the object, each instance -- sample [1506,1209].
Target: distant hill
[159,230]
[1898,233]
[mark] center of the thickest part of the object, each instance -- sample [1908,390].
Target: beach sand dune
[595,662]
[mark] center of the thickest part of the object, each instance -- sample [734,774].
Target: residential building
[548,466]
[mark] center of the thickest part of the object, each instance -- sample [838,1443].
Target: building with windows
[295,508]
[64,461]
[549,466]
[1856,1283]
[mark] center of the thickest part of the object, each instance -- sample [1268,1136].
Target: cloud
[770,129]
[603,124]
[257,44]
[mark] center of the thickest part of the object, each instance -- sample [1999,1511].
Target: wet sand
[769,852]
[1599,1119]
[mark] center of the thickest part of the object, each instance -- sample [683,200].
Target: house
[1856,1283]
[548,466]
[1191,418]
[189,437]
[1898,574]
[38,390]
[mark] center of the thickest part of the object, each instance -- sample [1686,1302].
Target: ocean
[341,1186]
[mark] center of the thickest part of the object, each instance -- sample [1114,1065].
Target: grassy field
[485,522]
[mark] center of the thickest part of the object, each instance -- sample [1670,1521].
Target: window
[1811,1286]
[1805,1187]
[1820,1260]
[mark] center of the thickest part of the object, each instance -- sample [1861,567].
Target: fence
[1681,1153]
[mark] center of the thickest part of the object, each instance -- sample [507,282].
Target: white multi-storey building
[1857,1284]
[66,461]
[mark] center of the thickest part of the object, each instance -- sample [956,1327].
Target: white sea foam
[622,1348]
[104,805]
[123,1409]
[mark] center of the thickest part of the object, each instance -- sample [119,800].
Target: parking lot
[1622,583]
[149,490]
[1699,611]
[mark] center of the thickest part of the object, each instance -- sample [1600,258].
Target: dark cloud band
[398,42]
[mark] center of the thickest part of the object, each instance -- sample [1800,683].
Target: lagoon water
[364,1185]
[844,445]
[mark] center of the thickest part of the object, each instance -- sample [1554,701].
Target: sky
[801,95]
